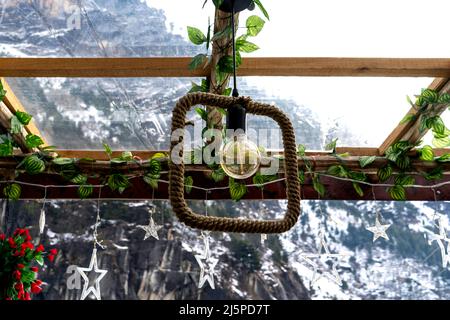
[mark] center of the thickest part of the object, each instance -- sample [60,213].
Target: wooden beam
[178,67]
[335,190]
[410,130]
[5,125]
[13,104]
[146,154]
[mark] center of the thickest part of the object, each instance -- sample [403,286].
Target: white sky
[344,28]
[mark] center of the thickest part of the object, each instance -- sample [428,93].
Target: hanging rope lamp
[237,108]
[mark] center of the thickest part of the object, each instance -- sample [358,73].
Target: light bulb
[239,157]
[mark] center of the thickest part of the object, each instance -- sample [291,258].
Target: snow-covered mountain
[135,114]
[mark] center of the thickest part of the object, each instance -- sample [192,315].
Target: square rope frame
[176,171]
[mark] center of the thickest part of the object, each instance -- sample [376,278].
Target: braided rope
[176,171]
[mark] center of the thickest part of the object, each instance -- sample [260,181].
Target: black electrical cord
[235,90]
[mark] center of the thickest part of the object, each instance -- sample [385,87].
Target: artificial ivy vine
[399,156]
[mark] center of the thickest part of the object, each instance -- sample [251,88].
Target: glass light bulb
[239,157]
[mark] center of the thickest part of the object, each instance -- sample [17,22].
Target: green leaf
[338,171]
[404,180]
[33,165]
[152,180]
[154,166]
[217,3]
[436,124]
[384,173]
[6,148]
[301,176]
[301,150]
[12,191]
[118,182]
[202,113]
[366,160]
[318,186]
[196,36]
[435,174]
[261,7]
[227,92]
[254,25]
[358,189]
[444,98]
[208,35]
[397,192]
[79,179]
[225,64]
[403,162]
[246,46]
[126,156]
[441,142]
[237,190]
[444,158]
[16,125]
[39,259]
[332,145]
[85,191]
[23,117]
[223,34]
[218,175]
[356,175]
[2,92]
[33,141]
[198,61]
[188,183]
[107,149]
[259,180]
[63,161]
[408,118]
[430,96]
[426,153]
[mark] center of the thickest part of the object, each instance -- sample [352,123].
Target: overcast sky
[344,28]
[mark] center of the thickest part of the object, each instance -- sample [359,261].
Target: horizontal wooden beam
[146,154]
[178,67]
[335,190]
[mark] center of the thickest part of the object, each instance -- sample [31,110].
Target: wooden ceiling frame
[178,67]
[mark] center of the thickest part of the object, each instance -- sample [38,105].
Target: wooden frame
[178,67]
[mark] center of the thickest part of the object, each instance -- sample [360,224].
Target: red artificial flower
[27,296]
[51,258]
[40,248]
[35,288]
[20,295]
[17,275]
[27,245]
[18,286]
[38,282]
[34,269]
[20,253]
[28,238]
[12,243]
[20,266]
[53,252]
[2,237]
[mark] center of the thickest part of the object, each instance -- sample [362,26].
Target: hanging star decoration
[379,230]
[95,289]
[323,246]
[441,239]
[151,230]
[206,263]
